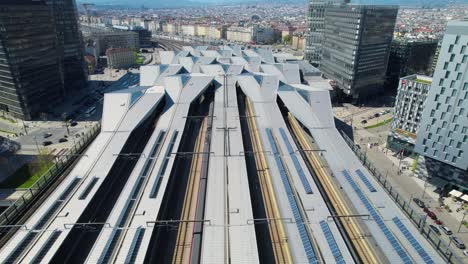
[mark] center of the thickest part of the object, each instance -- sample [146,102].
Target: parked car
[446,230]
[376,115]
[438,222]
[432,215]
[465,252]
[419,202]
[458,242]
[63,140]
[426,210]
[47,135]
[73,123]
[46,143]
[435,229]
[364,122]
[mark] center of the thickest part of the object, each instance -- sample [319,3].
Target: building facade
[409,105]
[118,58]
[70,43]
[265,35]
[239,34]
[316,23]
[442,140]
[298,42]
[408,57]
[30,78]
[114,39]
[356,46]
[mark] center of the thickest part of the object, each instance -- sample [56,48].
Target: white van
[446,230]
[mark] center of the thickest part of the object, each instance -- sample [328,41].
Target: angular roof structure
[219,156]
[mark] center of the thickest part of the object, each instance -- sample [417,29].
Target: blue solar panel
[365,181]
[162,169]
[292,202]
[45,249]
[391,238]
[427,259]
[299,170]
[332,242]
[136,243]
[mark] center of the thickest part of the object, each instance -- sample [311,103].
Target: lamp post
[37,146]
[461,222]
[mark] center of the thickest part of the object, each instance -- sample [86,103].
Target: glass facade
[70,43]
[30,82]
[356,46]
[316,23]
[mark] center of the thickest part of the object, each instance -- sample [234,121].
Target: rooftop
[222,158]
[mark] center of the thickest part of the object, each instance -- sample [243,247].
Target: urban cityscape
[203,131]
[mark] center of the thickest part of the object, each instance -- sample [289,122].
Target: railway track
[350,224]
[183,246]
[281,250]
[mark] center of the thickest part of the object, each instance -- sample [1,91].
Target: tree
[287,39]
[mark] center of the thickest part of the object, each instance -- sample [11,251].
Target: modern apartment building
[408,57]
[30,76]
[316,23]
[70,43]
[442,140]
[409,105]
[240,34]
[356,46]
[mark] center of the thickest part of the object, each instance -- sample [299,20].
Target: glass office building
[30,79]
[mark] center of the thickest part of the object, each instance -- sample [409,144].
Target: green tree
[287,39]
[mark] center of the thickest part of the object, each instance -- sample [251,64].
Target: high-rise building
[316,23]
[30,79]
[356,45]
[442,140]
[408,57]
[409,105]
[70,43]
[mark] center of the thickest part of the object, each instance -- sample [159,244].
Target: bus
[91,111]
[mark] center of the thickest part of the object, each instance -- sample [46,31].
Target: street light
[37,146]
[461,222]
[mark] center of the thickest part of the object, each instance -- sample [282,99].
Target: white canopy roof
[465,197]
[455,193]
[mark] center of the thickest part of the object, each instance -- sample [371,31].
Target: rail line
[350,225]
[281,250]
[183,246]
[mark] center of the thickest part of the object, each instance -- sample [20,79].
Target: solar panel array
[292,202]
[50,241]
[388,234]
[42,222]
[107,253]
[299,170]
[88,188]
[427,259]
[69,189]
[162,169]
[332,242]
[365,181]
[20,248]
[135,247]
